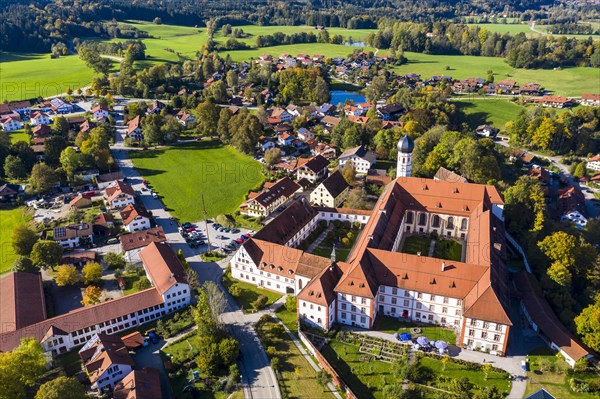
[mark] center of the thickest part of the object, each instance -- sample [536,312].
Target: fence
[337,380]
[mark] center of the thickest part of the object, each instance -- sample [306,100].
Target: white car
[154,195]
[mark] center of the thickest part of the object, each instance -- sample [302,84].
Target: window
[430,317]
[353,308]
[381,298]
[406,302]
[363,319]
[494,347]
[471,333]
[496,337]
[393,310]
[419,305]
[353,298]
[409,217]
[343,306]
[444,310]
[470,342]
[394,291]
[484,334]
[498,327]
[343,315]
[445,300]
[382,289]
[486,324]
[450,224]
[443,320]
[459,302]
[353,317]
[432,308]
[394,300]
[363,310]
[311,306]
[436,221]
[418,315]
[463,224]
[422,219]
[419,296]
[363,301]
[433,298]
[457,312]
[407,293]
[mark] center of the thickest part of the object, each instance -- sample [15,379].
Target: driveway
[149,356]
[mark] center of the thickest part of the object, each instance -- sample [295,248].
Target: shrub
[235,291]
[142,284]
[290,303]
[345,242]
[350,235]
[260,302]
[433,235]
[356,225]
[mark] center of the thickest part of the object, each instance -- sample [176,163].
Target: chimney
[443,265]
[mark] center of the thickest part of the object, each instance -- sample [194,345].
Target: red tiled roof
[139,384]
[163,266]
[141,239]
[21,300]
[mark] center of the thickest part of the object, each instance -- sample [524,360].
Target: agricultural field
[10,219]
[495,112]
[567,82]
[19,135]
[180,174]
[508,28]
[26,75]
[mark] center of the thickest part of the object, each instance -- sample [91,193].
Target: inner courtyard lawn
[180,174]
[391,325]
[10,219]
[414,244]
[448,249]
[245,294]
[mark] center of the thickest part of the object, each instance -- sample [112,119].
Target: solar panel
[60,232]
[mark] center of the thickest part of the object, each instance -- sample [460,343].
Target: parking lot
[222,239]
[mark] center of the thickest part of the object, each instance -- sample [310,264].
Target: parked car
[235,231]
[153,337]
[247,236]
[239,241]
[221,237]
[186,225]
[154,195]
[243,238]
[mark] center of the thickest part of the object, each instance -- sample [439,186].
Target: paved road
[258,377]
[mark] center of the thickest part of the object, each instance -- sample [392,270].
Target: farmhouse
[22,107]
[268,200]
[134,129]
[10,123]
[170,292]
[106,361]
[139,384]
[326,150]
[185,118]
[60,106]
[80,201]
[592,100]
[304,134]
[593,163]
[86,126]
[285,139]
[155,107]
[315,169]
[332,192]
[42,130]
[135,218]
[119,195]
[18,296]
[73,235]
[361,158]
[554,101]
[39,118]
[100,111]
[486,131]
[9,192]
[132,244]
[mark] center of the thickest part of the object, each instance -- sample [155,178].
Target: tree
[580,170]
[61,387]
[395,391]
[260,302]
[357,199]
[46,254]
[208,357]
[445,359]
[232,79]
[290,303]
[23,264]
[487,368]
[207,117]
[21,368]
[114,261]
[559,247]
[588,324]
[70,162]
[42,178]
[14,167]
[67,275]
[91,295]
[60,126]
[23,239]
[218,91]
[323,378]
[229,350]
[92,273]
[488,393]
[525,205]
[349,172]
[272,156]
[53,147]
[223,125]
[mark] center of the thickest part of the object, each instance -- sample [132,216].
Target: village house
[61,106]
[293,110]
[361,120]
[270,198]
[571,205]
[444,174]
[265,144]
[326,150]
[285,139]
[361,158]
[9,192]
[106,179]
[100,111]
[135,218]
[139,384]
[156,107]
[540,174]
[185,118]
[41,131]
[554,101]
[132,244]
[73,235]
[81,201]
[119,195]
[390,112]
[78,259]
[332,192]
[304,134]
[592,100]
[134,129]
[593,163]
[106,360]
[530,89]
[325,109]
[282,114]
[169,292]
[506,86]
[21,107]
[486,131]
[314,169]
[86,126]
[10,123]
[39,118]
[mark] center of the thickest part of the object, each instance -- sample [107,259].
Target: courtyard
[435,248]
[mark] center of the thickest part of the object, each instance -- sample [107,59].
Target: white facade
[111,376]
[448,226]
[361,165]
[121,201]
[343,217]
[138,224]
[485,335]
[42,119]
[576,218]
[11,124]
[318,315]
[102,113]
[593,164]
[354,310]
[321,197]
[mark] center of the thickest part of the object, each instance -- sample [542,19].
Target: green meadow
[10,219]
[568,81]
[507,28]
[27,75]
[495,112]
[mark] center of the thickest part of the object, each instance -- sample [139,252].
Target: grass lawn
[448,249]
[70,361]
[28,75]
[567,81]
[10,218]
[130,280]
[391,325]
[301,385]
[19,135]
[555,382]
[247,293]
[290,319]
[414,244]
[495,112]
[180,174]
[341,254]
